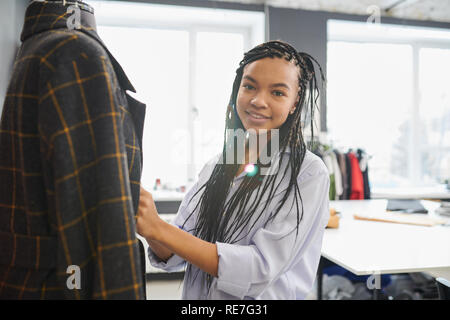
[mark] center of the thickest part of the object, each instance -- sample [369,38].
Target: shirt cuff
[233,277]
[173,264]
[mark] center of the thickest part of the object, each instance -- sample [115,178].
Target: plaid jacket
[70,166]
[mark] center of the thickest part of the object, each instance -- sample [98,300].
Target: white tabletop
[369,247]
[166,195]
[437,192]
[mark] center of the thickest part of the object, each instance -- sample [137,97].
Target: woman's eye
[278,93]
[248,86]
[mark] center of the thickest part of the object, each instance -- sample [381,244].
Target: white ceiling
[433,10]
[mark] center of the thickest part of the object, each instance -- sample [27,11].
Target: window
[387,94]
[182,62]
[213,83]
[434,76]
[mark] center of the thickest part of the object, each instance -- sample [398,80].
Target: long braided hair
[225,221]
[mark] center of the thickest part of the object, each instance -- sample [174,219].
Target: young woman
[245,234]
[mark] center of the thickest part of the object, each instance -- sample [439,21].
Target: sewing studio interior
[268,150]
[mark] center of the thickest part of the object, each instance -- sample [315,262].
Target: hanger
[63,2]
[77,3]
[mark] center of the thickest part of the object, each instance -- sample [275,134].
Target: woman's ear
[295,105]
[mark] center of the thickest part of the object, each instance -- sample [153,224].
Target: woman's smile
[256,118]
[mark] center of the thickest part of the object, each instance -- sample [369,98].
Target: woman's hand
[166,239]
[147,219]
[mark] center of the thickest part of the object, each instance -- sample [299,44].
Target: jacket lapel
[136,108]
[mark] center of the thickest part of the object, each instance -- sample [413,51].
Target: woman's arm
[167,239]
[201,253]
[161,251]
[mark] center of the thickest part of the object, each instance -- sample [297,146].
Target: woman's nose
[259,100]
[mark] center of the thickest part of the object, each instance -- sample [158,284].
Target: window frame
[252,29]
[414,151]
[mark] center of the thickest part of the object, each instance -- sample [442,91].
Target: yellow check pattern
[70,166]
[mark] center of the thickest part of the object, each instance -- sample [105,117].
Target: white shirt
[270,262]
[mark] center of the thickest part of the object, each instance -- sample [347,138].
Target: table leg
[376,294]
[320,279]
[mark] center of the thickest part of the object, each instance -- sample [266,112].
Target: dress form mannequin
[71,141]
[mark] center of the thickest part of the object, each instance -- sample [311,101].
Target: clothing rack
[349,171]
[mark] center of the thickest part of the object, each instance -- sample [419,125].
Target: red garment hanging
[357,192]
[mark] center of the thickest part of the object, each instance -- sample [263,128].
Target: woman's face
[267,94]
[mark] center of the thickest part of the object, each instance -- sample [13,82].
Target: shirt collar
[48,15]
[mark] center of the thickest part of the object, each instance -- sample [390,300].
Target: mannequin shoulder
[60,46]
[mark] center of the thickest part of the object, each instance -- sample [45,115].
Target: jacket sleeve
[247,270]
[84,158]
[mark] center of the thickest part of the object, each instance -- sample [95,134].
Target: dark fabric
[70,166]
[341,161]
[360,154]
[367,194]
[349,176]
[334,269]
[407,205]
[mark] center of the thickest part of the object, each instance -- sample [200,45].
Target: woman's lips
[256,118]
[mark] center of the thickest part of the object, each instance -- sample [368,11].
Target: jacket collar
[49,15]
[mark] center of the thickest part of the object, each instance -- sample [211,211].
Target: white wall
[12,14]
